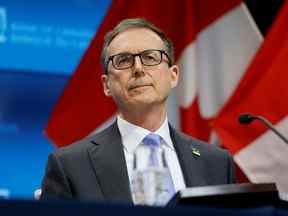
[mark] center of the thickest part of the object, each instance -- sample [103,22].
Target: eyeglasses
[149,57]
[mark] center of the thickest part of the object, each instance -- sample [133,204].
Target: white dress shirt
[132,136]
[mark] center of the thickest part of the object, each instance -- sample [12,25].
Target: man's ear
[105,83]
[174,69]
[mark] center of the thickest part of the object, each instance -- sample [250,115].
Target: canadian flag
[263,90]
[215,42]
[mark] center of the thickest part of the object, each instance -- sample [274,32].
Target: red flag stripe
[193,123]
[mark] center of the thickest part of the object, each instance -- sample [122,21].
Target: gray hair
[134,23]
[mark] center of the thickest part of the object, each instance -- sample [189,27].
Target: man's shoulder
[201,146]
[81,146]
[74,148]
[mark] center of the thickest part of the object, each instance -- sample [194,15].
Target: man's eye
[123,59]
[150,57]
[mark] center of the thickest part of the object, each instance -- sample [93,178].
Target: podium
[205,201]
[233,195]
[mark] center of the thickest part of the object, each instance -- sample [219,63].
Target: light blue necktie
[153,141]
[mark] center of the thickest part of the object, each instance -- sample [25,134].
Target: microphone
[247,118]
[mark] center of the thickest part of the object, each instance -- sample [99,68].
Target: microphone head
[245,118]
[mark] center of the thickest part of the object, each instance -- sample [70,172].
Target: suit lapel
[109,164]
[190,159]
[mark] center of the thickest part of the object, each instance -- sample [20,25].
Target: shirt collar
[132,135]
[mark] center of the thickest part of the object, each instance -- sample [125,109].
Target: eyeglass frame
[139,54]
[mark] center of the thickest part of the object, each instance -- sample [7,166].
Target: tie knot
[152,140]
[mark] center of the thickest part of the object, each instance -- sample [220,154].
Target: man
[139,75]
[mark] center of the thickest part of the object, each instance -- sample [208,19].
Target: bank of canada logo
[3,24]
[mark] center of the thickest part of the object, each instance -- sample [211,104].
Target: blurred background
[41,43]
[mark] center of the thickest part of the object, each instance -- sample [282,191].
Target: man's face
[139,85]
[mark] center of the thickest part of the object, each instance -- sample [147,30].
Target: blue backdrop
[41,43]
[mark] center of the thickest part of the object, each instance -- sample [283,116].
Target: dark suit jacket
[95,168]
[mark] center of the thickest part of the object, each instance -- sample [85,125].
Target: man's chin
[142,101]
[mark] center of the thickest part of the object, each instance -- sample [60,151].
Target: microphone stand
[248,118]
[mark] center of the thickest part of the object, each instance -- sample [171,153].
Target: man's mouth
[139,86]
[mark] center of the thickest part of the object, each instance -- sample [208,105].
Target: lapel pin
[196,152]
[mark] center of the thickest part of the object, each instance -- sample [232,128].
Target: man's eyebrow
[122,53]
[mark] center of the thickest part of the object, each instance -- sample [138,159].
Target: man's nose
[138,66]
